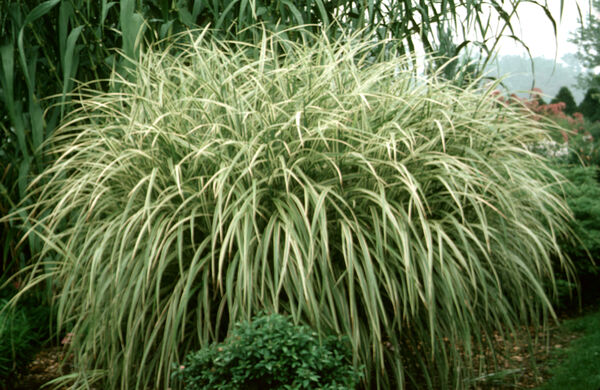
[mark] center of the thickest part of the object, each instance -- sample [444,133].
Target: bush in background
[269,352]
[590,105]
[574,138]
[582,193]
[565,96]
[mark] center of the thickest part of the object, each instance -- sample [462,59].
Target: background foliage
[590,105]
[582,193]
[521,74]
[565,96]
[587,40]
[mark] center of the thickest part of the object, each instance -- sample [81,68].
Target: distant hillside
[549,76]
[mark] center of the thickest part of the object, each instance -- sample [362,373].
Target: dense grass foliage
[269,352]
[218,180]
[48,44]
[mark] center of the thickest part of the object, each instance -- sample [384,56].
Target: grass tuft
[219,180]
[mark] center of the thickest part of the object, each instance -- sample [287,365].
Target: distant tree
[587,39]
[590,106]
[564,95]
[572,62]
[541,101]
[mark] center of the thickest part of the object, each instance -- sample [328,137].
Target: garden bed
[516,368]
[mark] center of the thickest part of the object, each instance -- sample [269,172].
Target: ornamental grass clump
[218,180]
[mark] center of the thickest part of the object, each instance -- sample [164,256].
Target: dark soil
[46,366]
[519,363]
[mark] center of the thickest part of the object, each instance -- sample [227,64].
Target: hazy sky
[537,32]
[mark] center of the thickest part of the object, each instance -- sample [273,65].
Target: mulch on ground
[518,364]
[46,366]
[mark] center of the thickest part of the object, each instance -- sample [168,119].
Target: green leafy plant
[582,193]
[584,150]
[16,342]
[589,105]
[23,329]
[565,96]
[270,352]
[313,180]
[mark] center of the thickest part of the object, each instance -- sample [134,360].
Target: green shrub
[565,96]
[16,342]
[589,106]
[23,329]
[269,352]
[220,180]
[584,148]
[582,193]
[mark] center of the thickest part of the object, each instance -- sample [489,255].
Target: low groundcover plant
[23,330]
[217,180]
[269,352]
